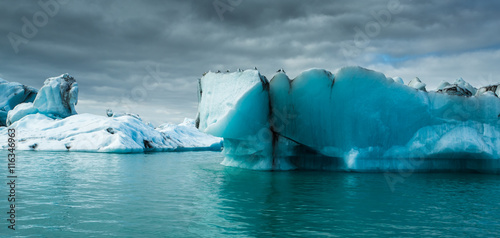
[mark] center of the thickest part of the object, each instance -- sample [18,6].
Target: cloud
[110,45]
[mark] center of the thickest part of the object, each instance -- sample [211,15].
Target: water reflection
[191,194]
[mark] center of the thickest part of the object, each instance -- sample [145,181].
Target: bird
[218,71]
[239,70]
[204,73]
[255,68]
[279,70]
[227,70]
[109,112]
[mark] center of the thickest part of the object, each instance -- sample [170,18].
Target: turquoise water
[190,194]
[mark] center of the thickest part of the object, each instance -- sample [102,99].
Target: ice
[93,133]
[417,84]
[188,137]
[492,89]
[355,120]
[11,95]
[459,88]
[239,96]
[51,123]
[398,80]
[235,106]
[56,99]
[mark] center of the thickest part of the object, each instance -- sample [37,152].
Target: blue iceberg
[11,95]
[352,120]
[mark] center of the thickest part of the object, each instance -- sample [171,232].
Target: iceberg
[11,95]
[351,120]
[50,123]
[56,99]
[235,106]
[188,137]
[94,133]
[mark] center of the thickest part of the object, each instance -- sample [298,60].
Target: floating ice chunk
[360,120]
[51,123]
[92,133]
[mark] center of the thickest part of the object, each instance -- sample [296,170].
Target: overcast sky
[146,56]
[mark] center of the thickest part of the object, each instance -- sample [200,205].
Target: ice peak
[416,83]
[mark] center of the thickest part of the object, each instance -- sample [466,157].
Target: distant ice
[51,123]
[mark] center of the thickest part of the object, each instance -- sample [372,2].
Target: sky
[146,57]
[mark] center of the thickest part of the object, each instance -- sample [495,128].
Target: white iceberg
[355,120]
[188,137]
[93,133]
[12,94]
[51,123]
[236,106]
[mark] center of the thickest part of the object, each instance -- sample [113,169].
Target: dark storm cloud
[111,47]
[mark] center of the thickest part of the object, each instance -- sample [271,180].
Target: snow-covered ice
[51,123]
[355,120]
[188,137]
[93,133]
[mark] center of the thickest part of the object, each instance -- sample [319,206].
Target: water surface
[189,194]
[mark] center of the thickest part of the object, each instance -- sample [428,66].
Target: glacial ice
[12,94]
[188,137]
[417,84]
[236,106]
[94,133]
[459,88]
[353,120]
[51,123]
[56,99]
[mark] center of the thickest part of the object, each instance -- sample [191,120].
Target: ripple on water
[191,194]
